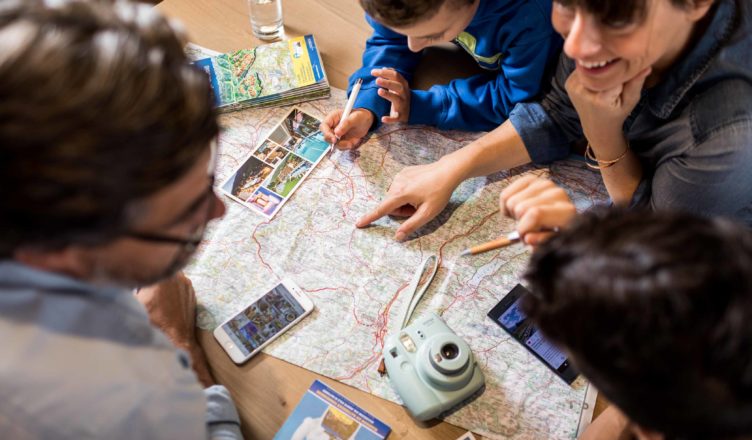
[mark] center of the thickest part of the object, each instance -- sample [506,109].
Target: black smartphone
[508,315]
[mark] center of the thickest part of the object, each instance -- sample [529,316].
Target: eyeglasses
[190,243]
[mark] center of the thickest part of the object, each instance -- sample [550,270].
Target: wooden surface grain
[266,389]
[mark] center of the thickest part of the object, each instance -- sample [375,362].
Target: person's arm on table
[171,306]
[482,102]
[421,192]
[384,49]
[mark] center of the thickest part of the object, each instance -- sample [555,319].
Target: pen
[512,237]
[350,103]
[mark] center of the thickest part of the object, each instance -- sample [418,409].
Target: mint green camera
[431,368]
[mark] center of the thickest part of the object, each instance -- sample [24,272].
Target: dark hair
[98,109]
[656,310]
[400,13]
[621,11]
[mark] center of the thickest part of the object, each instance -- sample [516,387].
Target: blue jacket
[512,39]
[692,132]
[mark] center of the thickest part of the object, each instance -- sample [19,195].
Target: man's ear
[699,9]
[68,260]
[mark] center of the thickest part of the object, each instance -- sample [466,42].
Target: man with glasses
[106,182]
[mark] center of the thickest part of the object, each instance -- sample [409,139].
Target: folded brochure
[281,73]
[324,414]
[278,165]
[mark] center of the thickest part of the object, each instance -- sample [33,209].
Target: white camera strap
[415,290]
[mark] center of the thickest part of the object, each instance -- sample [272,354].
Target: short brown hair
[654,308]
[99,108]
[400,13]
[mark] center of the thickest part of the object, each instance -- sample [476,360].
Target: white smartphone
[248,332]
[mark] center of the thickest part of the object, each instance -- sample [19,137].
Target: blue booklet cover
[324,414]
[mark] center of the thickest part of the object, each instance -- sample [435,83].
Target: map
[270,74]
[356,277]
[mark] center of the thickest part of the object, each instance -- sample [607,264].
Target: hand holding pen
[540,207]
[345,129]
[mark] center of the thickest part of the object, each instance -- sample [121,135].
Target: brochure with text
[324,414]
[281,73]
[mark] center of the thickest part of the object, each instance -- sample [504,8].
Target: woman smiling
[661,91]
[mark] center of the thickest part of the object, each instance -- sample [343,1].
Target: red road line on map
[472,230]
[383,322]
[258,245]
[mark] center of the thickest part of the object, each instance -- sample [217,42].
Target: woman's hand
[538,205]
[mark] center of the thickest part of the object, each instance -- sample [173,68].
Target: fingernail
[400,236]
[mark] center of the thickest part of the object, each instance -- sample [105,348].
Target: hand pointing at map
[420,193]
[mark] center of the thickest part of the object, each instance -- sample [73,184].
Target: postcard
[278,165]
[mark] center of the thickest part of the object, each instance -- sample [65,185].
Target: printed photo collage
[278,166]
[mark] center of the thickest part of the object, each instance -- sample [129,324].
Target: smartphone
[248,332]
[508,315]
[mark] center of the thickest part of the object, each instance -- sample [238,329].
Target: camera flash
[407,342]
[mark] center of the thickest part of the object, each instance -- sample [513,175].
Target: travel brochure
[278,165]
[324,414]
[276,74]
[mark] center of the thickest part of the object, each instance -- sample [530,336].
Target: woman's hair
[622,11]
[98,108]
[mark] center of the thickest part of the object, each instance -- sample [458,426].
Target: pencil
[512,237]
[350,103]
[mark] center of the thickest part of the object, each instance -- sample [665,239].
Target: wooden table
[267,389]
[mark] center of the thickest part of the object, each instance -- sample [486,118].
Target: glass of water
[266,18]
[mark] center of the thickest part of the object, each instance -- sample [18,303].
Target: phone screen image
[263,319]
[514,321]
[510,317]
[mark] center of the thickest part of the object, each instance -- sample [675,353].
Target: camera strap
[418,286]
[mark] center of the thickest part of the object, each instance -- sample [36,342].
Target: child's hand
[350,133]
[394,88]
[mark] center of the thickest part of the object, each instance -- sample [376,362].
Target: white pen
[350,103]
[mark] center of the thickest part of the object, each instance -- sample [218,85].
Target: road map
[356,277]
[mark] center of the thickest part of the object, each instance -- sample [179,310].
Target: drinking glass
[266,18]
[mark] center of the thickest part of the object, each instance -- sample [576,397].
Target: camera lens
[449,351]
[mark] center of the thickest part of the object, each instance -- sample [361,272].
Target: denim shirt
[692,132]
[79,361]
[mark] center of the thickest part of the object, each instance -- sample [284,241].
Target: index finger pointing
[388,205]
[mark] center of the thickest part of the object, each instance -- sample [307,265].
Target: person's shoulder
[533,9]
[72,386]
[722,105]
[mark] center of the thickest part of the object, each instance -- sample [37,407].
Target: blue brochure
[324,414]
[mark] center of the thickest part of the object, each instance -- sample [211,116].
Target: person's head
[424,22]
[655,309]
[612,41]
[105,133]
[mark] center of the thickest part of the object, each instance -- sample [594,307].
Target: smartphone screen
[263,319]
[510,317]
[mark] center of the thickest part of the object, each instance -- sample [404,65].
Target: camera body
[431,368]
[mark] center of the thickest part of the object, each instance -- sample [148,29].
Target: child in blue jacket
[512,39]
